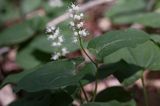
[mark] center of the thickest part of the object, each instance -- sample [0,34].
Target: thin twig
[83,8]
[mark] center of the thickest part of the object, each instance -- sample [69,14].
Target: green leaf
[54,75]
[87,73]
[156,38]
[157,5]
[107,69]
[115,40]
[127,74]
[16,34]
[6,11]
[111,103]
[38,23]
[125,6]
[42,43]
[29,57]
[146,19]
[146,55]
[56,10]
[44,98]
[113,93]
[125,19]
[30,5]
[51,76]
[15,78]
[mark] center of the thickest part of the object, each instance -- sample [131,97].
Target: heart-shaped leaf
[16,34]
[51,76]
[115,40]
[146,55]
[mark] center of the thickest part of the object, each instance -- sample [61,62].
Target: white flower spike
[57,42]
[77,23]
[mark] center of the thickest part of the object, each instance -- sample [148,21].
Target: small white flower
[55,57]
[80,32]
[48,30]
[77,17]
[58,54]
[53,28]
[64,51]
[82,15]
[84,33]
[76,8]
[75,40]
[73,5]
[50,37]
[72,24]
[60,38]
[80,25]
[76,33]
[59,43]
[70,10]
[54,44]
[56,33]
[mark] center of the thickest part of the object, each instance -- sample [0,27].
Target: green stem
[96,86]
[96,82]
[81,45]
[144,91]
[84,92]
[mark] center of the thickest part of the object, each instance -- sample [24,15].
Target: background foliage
[124,53]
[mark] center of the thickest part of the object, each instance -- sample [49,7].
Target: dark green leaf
[15,78]
[156,38]
[30,57]
[146,55]
[125,6]
[127,74]
[146,19]
[16,34]
[111,103]
[6,11]
[87,73]
[53,75]
[42,43]
[113,93]
[115,40]
[44,98]
[38,23]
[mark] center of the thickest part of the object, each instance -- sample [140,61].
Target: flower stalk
[77,26]
[144,91]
